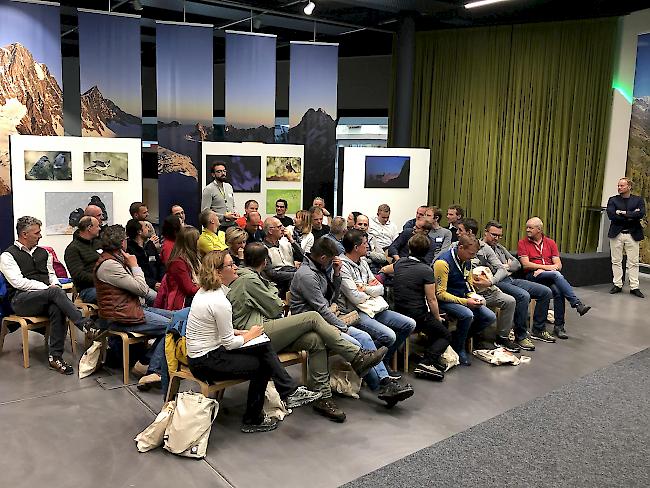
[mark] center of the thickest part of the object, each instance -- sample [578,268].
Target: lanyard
[540,248]
[463,270]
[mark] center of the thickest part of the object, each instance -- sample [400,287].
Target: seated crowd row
[234,278]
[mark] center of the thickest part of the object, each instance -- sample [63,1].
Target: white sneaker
[302,396]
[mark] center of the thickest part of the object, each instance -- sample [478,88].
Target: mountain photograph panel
[244,172]
[64,209]
[293,198]
[109,73]
[387,171]
[48,165]
[281,168]
[31,96]
[106,166]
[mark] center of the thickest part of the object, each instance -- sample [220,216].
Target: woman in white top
[302,230]
[218,352]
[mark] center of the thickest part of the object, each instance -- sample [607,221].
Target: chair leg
[219,395]
[25,332]
[407,351]
[174,385]
[4,330]
[394,361]
[73,342]
[205,389]
[125,359]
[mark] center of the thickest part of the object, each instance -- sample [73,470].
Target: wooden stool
[27,324]
[128,338]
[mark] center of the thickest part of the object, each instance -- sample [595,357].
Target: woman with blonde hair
[302,230]
[181,280]
[236,242]
[217,352]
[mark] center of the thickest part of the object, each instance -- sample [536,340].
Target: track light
[309,8]
[480,3]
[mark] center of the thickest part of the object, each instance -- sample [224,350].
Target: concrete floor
[69,432]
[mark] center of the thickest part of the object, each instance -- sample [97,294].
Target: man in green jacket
[81,256]
[255,301]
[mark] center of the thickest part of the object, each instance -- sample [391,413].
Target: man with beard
[220,196]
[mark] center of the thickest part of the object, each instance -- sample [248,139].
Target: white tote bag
[373,305]
[153,435]
[89,362]
[188,432]
[273,405]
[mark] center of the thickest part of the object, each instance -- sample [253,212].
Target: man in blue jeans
[456,287]
[521,290]
[315,286]
[540,258]
[361,291]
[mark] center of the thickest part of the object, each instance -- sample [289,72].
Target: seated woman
[236,242]
[302,230]
[170,228]
[180,282]
[217,352]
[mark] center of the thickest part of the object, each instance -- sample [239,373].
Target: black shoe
[365,360]
[507,344]
[560,333]
[429,371]
[485,345]
[615,289]
[266,425]
[582,309]
[58,364]
[392,392]
[88,326]
[637,293]
[329,409]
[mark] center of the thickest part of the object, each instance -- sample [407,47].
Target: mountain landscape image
[638,161]
[31,102]
[101,117]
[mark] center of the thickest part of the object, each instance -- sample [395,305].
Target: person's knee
[509,302]
[311,342]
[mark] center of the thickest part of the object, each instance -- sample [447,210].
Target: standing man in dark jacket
[81,256]
[625,212]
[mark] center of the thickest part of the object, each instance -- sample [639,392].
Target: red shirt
[538,254]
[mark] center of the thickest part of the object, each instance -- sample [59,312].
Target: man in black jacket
[625,212]
[81,256]
[139,243]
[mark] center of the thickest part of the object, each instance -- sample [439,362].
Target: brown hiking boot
[329,409]
[365,360]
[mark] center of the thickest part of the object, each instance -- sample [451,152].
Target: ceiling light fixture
[309,8]
[481,3]
[137,5]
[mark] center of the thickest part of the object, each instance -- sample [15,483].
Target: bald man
[541,261]
[285,255]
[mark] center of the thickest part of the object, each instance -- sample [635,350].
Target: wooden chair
[128,338]
[31,323]
[218,388]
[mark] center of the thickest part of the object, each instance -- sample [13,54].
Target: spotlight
[309,8]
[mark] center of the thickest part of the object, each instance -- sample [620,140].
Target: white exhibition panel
[262,150]
[29,195]
[402,201]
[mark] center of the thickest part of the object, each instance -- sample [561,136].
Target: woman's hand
[253,332]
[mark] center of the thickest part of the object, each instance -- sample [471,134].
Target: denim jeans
[561,290]
[476,318]
[522,291]
[388,329]
[364,341]
[88,295]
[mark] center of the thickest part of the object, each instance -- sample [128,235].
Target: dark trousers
[54,303]
[437,335]
[258,364]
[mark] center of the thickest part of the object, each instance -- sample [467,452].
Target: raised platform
[585,269]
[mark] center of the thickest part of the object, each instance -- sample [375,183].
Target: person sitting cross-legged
[255,301]
[285,254]
[456,287]
[33,289]
[541,261]
[217,352]
[316,286]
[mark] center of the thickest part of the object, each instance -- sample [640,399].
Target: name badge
[152,259]
[99,251]
[439,239]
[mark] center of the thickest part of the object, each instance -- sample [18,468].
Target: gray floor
[49,422]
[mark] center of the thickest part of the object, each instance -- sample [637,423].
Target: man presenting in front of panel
[220,197]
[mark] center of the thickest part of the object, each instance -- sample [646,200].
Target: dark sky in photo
[642,76]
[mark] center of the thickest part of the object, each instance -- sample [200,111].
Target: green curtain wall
[516,118]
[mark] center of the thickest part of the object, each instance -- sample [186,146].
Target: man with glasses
[219,196]
[281,207]
[285,255]
[521,290]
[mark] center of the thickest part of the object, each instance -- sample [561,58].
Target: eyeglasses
[496,236]
[231,266]
[280,206]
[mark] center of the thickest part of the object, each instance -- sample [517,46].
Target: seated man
[140,211]
[337,231]
[252,227]
[318,228]
[285,255]
[415,297]
[97,212]
[320,203]
[494,297]
[255,301]
[376,256]
[281,207]
[456,293]
[179,212]
[121,290]
[521,290]
[360,290]
[139,244]
[33,289]
[400,246]
[382,231]
[540,258]
[420,212]
[249,206]
[211,239]
[316,286]
[81,256]
[454,214]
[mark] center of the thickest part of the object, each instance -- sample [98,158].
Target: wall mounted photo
[48,165]
[64,209]
[280,168]
[293,198]
[106,166]
[387,171]
[244,172]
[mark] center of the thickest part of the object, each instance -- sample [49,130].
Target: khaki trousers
[624,244]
